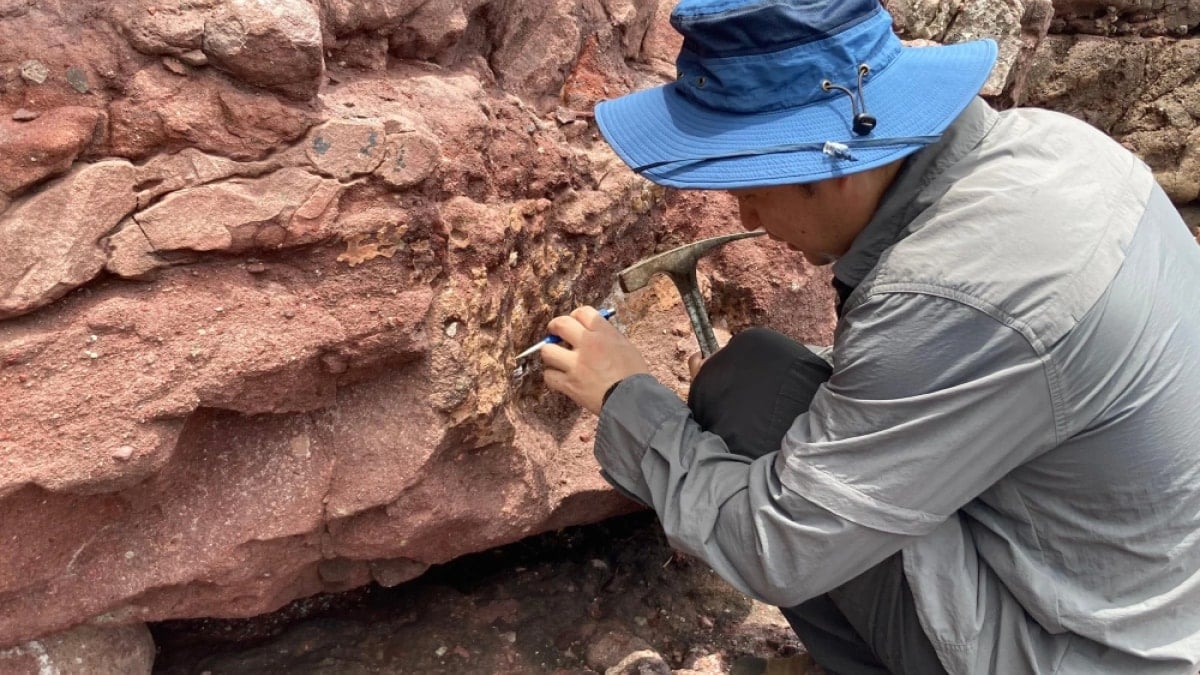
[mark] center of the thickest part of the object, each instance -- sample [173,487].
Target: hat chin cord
[864,122]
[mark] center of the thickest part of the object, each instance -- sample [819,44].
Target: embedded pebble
[194,57]
[174,65]
[34,71]
[77,78]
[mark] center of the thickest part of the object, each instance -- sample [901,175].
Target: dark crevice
[185,644]
[138,223]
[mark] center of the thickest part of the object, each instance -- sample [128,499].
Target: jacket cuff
[637,407]
[609,392]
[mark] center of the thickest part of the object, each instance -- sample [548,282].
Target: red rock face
[265,267]
[265,277]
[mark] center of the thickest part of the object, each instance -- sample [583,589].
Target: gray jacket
[1013,405]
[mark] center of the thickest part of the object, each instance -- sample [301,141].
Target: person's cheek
[749,216]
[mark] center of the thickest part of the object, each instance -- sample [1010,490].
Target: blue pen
[554,339]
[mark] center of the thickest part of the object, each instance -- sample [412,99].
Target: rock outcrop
[1017,26]
[1143,92]
[265,267]
[265,273]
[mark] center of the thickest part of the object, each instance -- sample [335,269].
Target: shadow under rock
[572,601]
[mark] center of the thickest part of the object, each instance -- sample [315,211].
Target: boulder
[289,207]
[163,112]
[276,45]
[52,239]
[44,146]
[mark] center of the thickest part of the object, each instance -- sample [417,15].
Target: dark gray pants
[748,394]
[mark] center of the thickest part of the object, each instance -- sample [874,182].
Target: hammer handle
[693,303]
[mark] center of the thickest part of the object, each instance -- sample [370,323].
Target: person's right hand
[592,357]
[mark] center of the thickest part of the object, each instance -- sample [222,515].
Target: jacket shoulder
[1033,224]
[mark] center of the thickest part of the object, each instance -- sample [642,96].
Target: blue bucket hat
[771,92]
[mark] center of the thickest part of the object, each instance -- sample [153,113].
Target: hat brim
[919,93]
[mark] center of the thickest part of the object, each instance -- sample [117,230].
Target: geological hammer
[680,265]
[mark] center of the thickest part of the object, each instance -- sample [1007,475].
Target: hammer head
[678,262]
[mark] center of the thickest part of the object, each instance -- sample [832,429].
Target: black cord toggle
[864,122]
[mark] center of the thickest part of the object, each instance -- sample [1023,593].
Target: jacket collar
[907,197]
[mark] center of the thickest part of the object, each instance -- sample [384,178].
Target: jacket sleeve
[930,402]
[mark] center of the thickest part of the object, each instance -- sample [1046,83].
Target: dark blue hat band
[758,82]
[743,27]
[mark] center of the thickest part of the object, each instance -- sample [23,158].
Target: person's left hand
[694,363]
[599,356]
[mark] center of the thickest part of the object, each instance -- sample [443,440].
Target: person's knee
[747,357]
[730,367]
[750,391]
[759,338]
[746,351]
